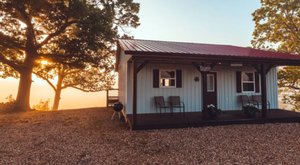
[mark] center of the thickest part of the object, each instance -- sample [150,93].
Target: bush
[9,104]
[42,105]
[213,111]
[250,110]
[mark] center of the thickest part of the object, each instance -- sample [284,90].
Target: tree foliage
[87,78]
[35,30]
[289,83]
[277,27]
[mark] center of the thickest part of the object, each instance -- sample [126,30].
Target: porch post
[204,99]
[134,92]
[263,90]
[107,97]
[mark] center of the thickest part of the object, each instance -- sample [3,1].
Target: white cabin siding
[128,104]
[226,84]
[272,88]
[226,88]
[190,93]
[123,79]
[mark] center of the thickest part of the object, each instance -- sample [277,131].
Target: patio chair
[175,102]
[244,99]
[258,101]
[160,103]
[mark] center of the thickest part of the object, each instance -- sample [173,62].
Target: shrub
[42,105]
[213,111]
[9,104]
[250,110]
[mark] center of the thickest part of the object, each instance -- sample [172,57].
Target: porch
[195,119]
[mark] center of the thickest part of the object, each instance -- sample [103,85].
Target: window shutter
[256,82]
[178,79]
[155,78]
[238,82]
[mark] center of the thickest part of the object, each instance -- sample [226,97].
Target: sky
[202,21]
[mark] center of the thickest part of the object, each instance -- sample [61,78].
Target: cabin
[200,75]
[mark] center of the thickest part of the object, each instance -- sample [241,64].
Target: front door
[211,92]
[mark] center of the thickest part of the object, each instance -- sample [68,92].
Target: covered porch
[201,118]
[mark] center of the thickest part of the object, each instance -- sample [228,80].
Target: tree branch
[10,42]
[84,90]
[290,16]
[291,86]
[30,35]
[71,72]
[46,79]
[289,27]
[56,33]
[292,21]
[69,85]
[73,85]
[10,63]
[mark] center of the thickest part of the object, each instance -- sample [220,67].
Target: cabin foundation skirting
[195,119]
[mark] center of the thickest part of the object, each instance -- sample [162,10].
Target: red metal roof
[136,47]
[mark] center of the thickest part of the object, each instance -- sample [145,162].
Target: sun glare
[44,62]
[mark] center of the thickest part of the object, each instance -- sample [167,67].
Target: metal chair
[245,100]
[160,103]
[175,102]
[258,101]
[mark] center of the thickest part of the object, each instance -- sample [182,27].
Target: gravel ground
[89,137]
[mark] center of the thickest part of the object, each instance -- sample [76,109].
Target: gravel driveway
[88,136]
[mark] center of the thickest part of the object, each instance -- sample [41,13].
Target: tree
[277,27]
[30,31]
[88,78]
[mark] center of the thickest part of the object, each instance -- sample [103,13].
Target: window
[167,78]
[210,82]
[248,82]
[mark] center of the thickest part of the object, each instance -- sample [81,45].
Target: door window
[210,82]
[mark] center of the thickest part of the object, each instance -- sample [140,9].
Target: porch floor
[194,119]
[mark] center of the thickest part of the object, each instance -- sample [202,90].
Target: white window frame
[160,78]
[242,82]
[213,81]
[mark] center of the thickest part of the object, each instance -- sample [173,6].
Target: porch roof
[165,49]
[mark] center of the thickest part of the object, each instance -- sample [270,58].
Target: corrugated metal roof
[136,47]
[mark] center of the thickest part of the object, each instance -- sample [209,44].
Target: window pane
[210,82]
[248,87]
[167,82]
[172,82]
[167,74]
[248,77]
[162,82]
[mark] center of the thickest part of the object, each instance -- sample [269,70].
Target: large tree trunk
[57,92]
[23,97]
